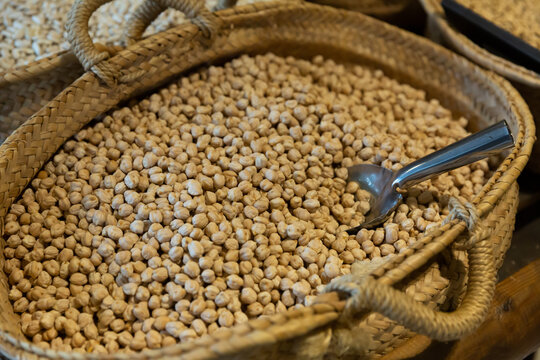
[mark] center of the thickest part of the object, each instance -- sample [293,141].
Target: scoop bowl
[377,180]
[385,186]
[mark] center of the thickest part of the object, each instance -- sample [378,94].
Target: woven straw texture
[26,89]
[377,8]
[371,312]
[525,80]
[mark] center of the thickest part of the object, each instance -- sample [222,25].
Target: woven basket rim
[476,53]
[50,62]
[494,189]
[371,8]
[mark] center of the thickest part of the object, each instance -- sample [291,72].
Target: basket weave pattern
[429,271]
[25,90]
[378,8]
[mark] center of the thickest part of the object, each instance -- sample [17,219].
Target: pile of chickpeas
[220,198]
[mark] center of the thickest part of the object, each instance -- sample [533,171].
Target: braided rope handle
[79,38]
[195,10]
[93,59]
[365,292]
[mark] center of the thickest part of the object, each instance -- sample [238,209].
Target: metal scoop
[386,186]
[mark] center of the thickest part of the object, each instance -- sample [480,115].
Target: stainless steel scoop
[386,185]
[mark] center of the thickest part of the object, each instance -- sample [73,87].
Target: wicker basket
[432,288]
[526,81]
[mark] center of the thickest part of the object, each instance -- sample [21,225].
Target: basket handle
[93,59]
[77,33]
[195,10]
[366,293]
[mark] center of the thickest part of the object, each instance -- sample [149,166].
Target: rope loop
[149,10]
[77,33]
[366,293]
[94,58]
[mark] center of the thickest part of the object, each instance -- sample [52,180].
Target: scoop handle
[463,152]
